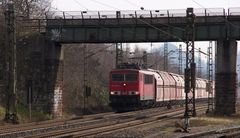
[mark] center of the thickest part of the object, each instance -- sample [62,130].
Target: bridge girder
[141,30]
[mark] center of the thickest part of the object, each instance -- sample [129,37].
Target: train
[131,87]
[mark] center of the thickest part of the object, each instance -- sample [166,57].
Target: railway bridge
[159,26]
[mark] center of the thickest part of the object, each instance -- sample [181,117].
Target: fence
[139,14]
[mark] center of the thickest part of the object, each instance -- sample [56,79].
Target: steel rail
[224,133]
[145,122]
[113,125]
[33,125]
[35,128]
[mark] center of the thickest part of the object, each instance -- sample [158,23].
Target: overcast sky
[76,5]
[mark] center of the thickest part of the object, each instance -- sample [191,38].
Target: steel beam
[210,79]
[180,60]
[136,29]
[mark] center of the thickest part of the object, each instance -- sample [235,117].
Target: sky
[96,5]
[114,5]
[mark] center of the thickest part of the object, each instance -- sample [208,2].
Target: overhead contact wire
[236,26]
[81,5]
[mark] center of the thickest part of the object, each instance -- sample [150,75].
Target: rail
[220,133]
[92,123]
[122,124]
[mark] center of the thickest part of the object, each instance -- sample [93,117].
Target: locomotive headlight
[137,93]
[115,93]
[134,93]
[112,93]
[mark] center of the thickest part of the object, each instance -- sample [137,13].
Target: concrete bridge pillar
[225,82]
[54,76]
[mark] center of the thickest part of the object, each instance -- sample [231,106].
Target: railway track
[230,132]
[233,132]
[141,123]
[116,125]
[12,128]
[34,125]
[37,129]
[23,128]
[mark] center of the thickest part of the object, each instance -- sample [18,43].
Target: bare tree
[100,60]
[32,8]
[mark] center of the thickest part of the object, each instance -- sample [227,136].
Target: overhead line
[81,5]
[136,17]
[133,4]
[236,26]
[150,24]
[100,50]
[180,39]
[106,5]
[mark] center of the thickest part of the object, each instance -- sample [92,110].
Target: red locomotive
[131,87]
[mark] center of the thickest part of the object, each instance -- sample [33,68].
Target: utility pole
[151,47]
[119,49]
[119,54]
[199,63]
[190,69]
[144,58]
[165,56]
[210,78]
[180,59]
[11,65]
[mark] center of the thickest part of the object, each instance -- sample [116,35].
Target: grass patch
[2,113]
[209,121]
[199,122]
[23,114]
[169,129]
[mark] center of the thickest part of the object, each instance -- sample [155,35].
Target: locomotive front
[124,89]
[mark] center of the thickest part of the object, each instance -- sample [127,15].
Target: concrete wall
[38,68]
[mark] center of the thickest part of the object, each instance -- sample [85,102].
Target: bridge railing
[39,25]
[234,11]
[133,14]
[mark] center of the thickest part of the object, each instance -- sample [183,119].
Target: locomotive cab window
[117,77]
[148,79]
[130,77]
